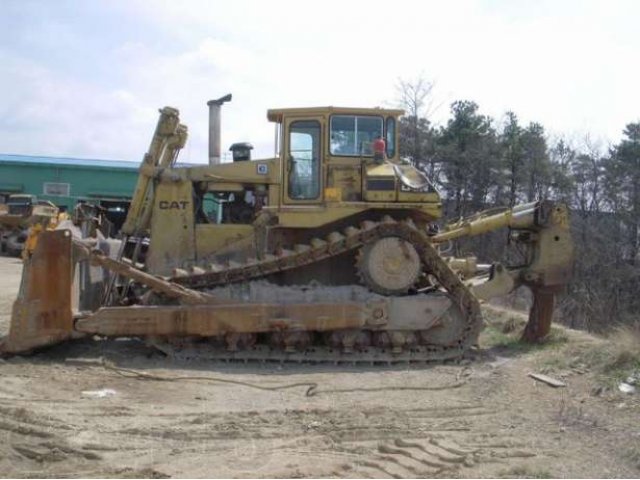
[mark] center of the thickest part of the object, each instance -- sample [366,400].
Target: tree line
[478,162]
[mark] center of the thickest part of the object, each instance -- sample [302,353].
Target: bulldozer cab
[328,153]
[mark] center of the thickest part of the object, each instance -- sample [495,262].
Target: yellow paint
[254,172]
[332,194]
[379,196]
[172,233]
[418,197]
[317,216]
[216,238]
[347,177]
[176,241]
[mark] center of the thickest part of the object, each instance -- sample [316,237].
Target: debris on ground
[631,383]
[552,382]
[102,393]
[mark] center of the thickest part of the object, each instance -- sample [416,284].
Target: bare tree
[416,98]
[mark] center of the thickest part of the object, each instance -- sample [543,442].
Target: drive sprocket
[389,265]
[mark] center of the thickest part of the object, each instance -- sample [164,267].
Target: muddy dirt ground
[482,418]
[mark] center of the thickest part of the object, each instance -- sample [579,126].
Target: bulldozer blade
[42,313]
[540,315]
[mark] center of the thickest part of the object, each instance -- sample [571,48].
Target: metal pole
[214,128]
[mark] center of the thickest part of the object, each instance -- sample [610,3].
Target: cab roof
[277,114]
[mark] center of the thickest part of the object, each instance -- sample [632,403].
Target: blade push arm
[521,216]
[169,137]
[541,230]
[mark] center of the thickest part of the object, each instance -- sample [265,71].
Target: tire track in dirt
[416,442]
[404,443]
[374,442]
[434,436]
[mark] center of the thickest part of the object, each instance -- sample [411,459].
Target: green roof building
[65,181]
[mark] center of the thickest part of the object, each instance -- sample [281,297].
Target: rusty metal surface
[211,320]
[41,314]
[157,284]
[449,343]
[540,315]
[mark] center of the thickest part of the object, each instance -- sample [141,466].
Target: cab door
[303,161]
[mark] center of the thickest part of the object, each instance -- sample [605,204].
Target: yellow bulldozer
[22,215]
[329,251]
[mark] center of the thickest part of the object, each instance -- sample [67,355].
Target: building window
[56,189]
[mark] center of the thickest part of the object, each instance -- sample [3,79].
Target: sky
[86,79]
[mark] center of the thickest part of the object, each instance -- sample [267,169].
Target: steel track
[318,250]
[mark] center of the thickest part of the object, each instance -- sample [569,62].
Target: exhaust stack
[214,128]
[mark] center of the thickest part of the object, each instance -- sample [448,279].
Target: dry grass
[613,357]
[616,355]
[622,349]
[504,329]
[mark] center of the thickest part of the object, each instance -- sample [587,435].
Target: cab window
[304,160]
[391,137]
[353,135]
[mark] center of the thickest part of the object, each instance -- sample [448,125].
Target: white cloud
[51,114]
[569,65]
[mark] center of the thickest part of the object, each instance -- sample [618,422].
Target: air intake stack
[214,128]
